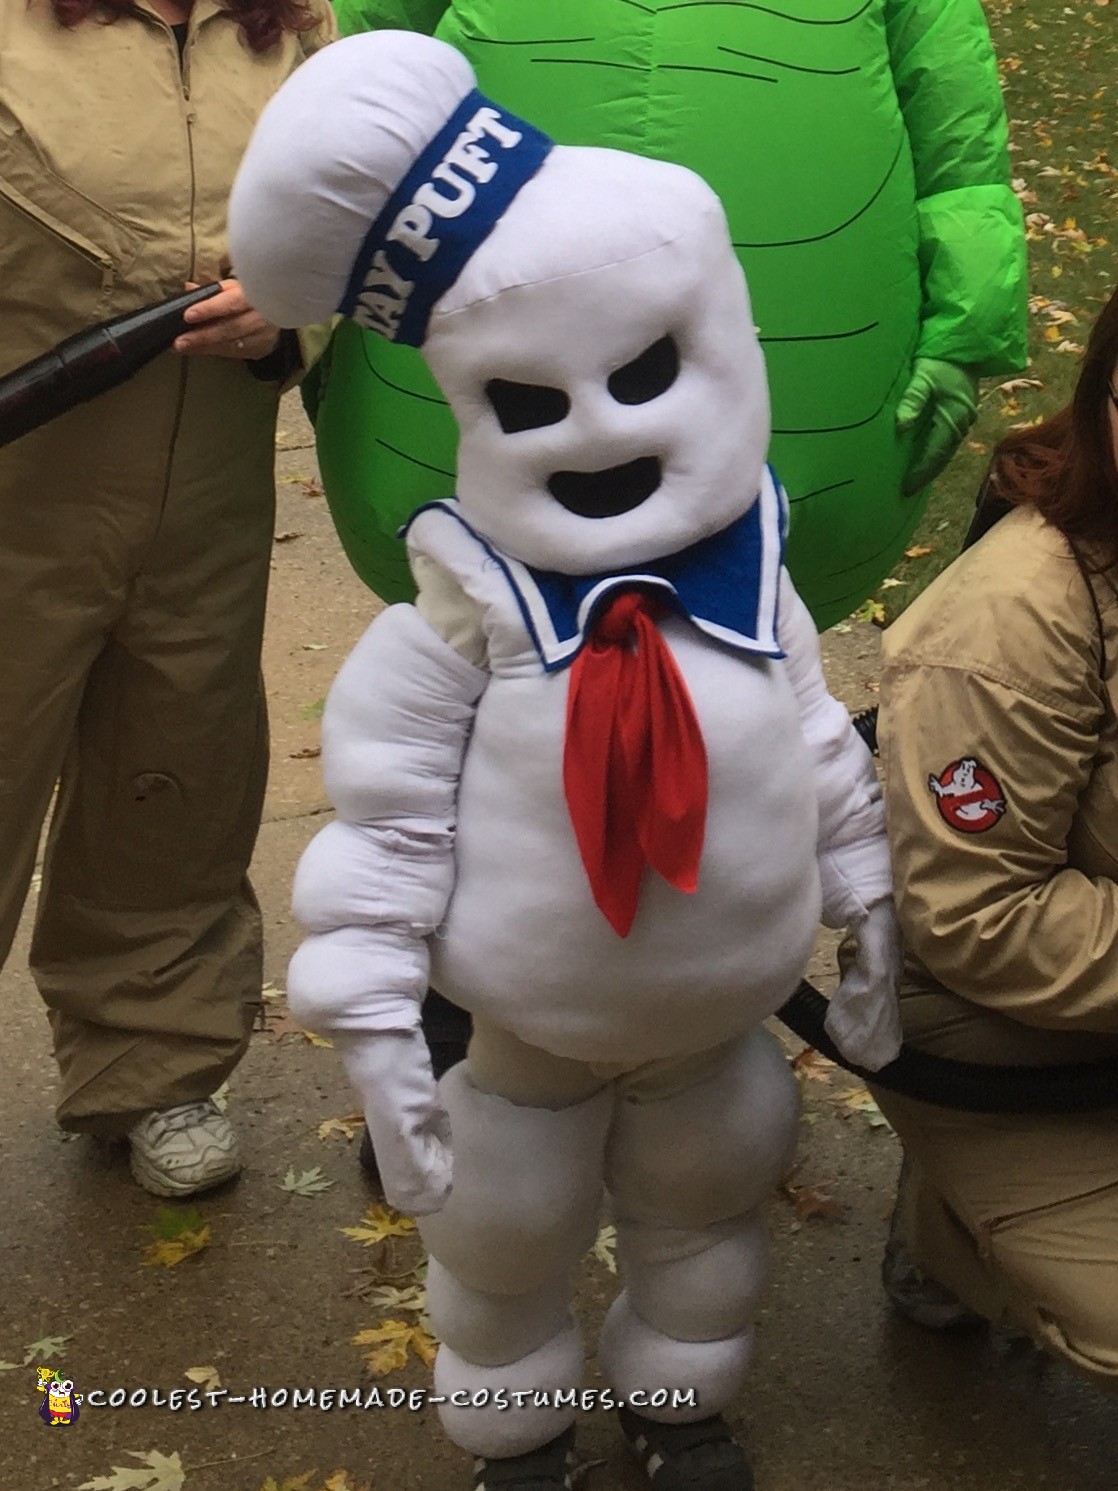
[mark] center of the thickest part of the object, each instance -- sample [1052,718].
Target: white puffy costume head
[582,309]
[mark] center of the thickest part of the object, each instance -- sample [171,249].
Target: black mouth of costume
[606,494]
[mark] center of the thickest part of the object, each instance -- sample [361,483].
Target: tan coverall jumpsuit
[1000,746]
[135,541]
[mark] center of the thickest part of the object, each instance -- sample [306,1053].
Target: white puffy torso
[524,943]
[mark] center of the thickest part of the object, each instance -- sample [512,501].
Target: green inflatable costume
[859,147]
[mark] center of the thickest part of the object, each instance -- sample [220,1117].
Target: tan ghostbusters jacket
[81,237]
[1000,748]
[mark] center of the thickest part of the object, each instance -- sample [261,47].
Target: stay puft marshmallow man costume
[592,784]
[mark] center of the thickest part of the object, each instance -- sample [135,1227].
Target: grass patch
[1059,66]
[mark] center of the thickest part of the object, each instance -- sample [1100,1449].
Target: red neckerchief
[634,761]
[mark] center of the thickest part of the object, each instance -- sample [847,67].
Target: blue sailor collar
[728,584]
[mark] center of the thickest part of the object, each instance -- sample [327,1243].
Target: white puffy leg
[485,1419]
[716,1150]
[688,1174]
[696,1283]
[495,1329]
[527,1189]
[523,1209]
[638,1359]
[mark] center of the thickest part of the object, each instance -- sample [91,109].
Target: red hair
[1065,467]
[262,22]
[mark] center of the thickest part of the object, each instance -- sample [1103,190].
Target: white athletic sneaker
[182,1150]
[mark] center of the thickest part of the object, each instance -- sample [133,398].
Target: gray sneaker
[911,1292]
[179,1151]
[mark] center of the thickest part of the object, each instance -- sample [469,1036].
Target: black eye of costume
[647,376]
[526,406]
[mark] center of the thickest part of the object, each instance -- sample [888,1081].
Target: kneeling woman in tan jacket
[1000,743]
[135,539]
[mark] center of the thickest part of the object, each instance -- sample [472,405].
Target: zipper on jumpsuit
[183,70]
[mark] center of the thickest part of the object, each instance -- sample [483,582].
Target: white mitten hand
[408,1125]
[864,1018]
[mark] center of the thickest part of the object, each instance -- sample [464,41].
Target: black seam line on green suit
[427,398]
[853,569]
[539,41]
[816,72]
[649,10]
[824,336]
[834,487]
[865,561]
[830,233]
[415,461]
[766,10]
[592,62]
[724,72]
[894,383]
[858,423]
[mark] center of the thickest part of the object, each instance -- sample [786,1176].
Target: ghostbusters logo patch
[969,798]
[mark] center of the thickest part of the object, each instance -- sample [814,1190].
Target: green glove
[939,405]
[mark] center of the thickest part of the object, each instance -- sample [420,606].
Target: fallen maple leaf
[282,1023]
[167,1252]
[378,1223]
[810,1064]
[391,1340]
[810,1203]
[207,1377]
[861,1101]
[410,1300]
[48,1347]
[918,551]
[871,610]
[340,1481]
[307,1183]
[605,1248]
[1015,385]
[160,1473]
[346,1126]
[178,1231]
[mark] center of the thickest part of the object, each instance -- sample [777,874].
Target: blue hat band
[442,211]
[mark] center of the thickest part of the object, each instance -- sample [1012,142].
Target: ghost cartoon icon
[60,1403]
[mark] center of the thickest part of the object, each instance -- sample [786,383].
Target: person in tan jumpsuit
[135,541]
[999,738]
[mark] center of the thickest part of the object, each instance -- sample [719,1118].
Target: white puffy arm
[864,1017]
[853,853]
[372,886]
